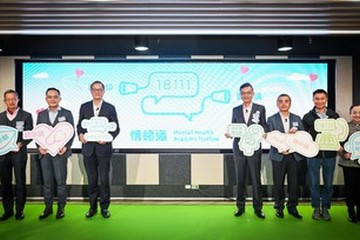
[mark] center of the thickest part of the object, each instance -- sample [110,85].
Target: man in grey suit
[54,168]
[248,113]
[97,155]
[285,163]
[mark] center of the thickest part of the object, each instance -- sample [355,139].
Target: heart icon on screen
[244,69]
[79,73]
[52,139]
[313,77]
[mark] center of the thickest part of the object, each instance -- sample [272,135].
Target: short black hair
[352,106]
[11,91]
[52,89]
[320,91]
[244,85]
[284,95]
[97,82]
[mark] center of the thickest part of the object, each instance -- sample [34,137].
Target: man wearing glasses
[97,155]
[22,121]
[249,113]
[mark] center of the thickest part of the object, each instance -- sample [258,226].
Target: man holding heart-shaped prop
[54,134]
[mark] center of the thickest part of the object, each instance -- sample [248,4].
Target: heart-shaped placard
[52,139]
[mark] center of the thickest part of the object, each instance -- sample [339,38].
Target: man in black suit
[21,120]
[285,163]
[54,168]
[97,155]
[248,113]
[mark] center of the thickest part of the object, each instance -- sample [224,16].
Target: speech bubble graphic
[51,138]
[353,146]
[187,107]
[166,84]
[8,138]
[250,137]
[98,129]
[331,132]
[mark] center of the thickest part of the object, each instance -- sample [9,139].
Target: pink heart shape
[244,69]
[79,72]
[52,139]
[313,77]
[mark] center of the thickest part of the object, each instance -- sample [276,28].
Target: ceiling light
[141,44]
[284,44]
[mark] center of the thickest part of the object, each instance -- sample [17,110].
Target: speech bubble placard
[51,138]
[300,142]
[98,129]
[250,137]
[8,138]
[331,132]
[353,146]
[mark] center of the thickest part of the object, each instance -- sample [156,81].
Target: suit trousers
[352,186]
[98,167]
[54,170]
[248,165]
[8,162]
[286,167]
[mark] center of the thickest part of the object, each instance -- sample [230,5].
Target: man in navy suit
[54,167]
[97,155]
[284,162]
[248,113]
[16,160]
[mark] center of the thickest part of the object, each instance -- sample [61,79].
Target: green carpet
[177,221]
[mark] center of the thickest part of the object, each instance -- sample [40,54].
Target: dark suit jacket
[22,116]
[275,123]
[64,115]
[238,117]
[86,112]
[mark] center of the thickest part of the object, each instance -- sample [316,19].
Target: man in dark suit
[21,120]
[248,113]
[97,155]
[54,167]
[284,162]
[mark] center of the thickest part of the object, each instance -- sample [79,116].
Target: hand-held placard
[331,132]
[52,139]
[250,137]
[300,142]
[98,129]
[353,146]
[8,138]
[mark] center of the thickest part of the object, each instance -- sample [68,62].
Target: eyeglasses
[11,100]
[97,89]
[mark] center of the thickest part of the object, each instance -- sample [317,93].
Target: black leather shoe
[260,214]
[105,213]
[91,213]
[294,212]
[46,213]
[353,218]
[7,215]
[279,213]
[19,215]
[60,213]
[239,212]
